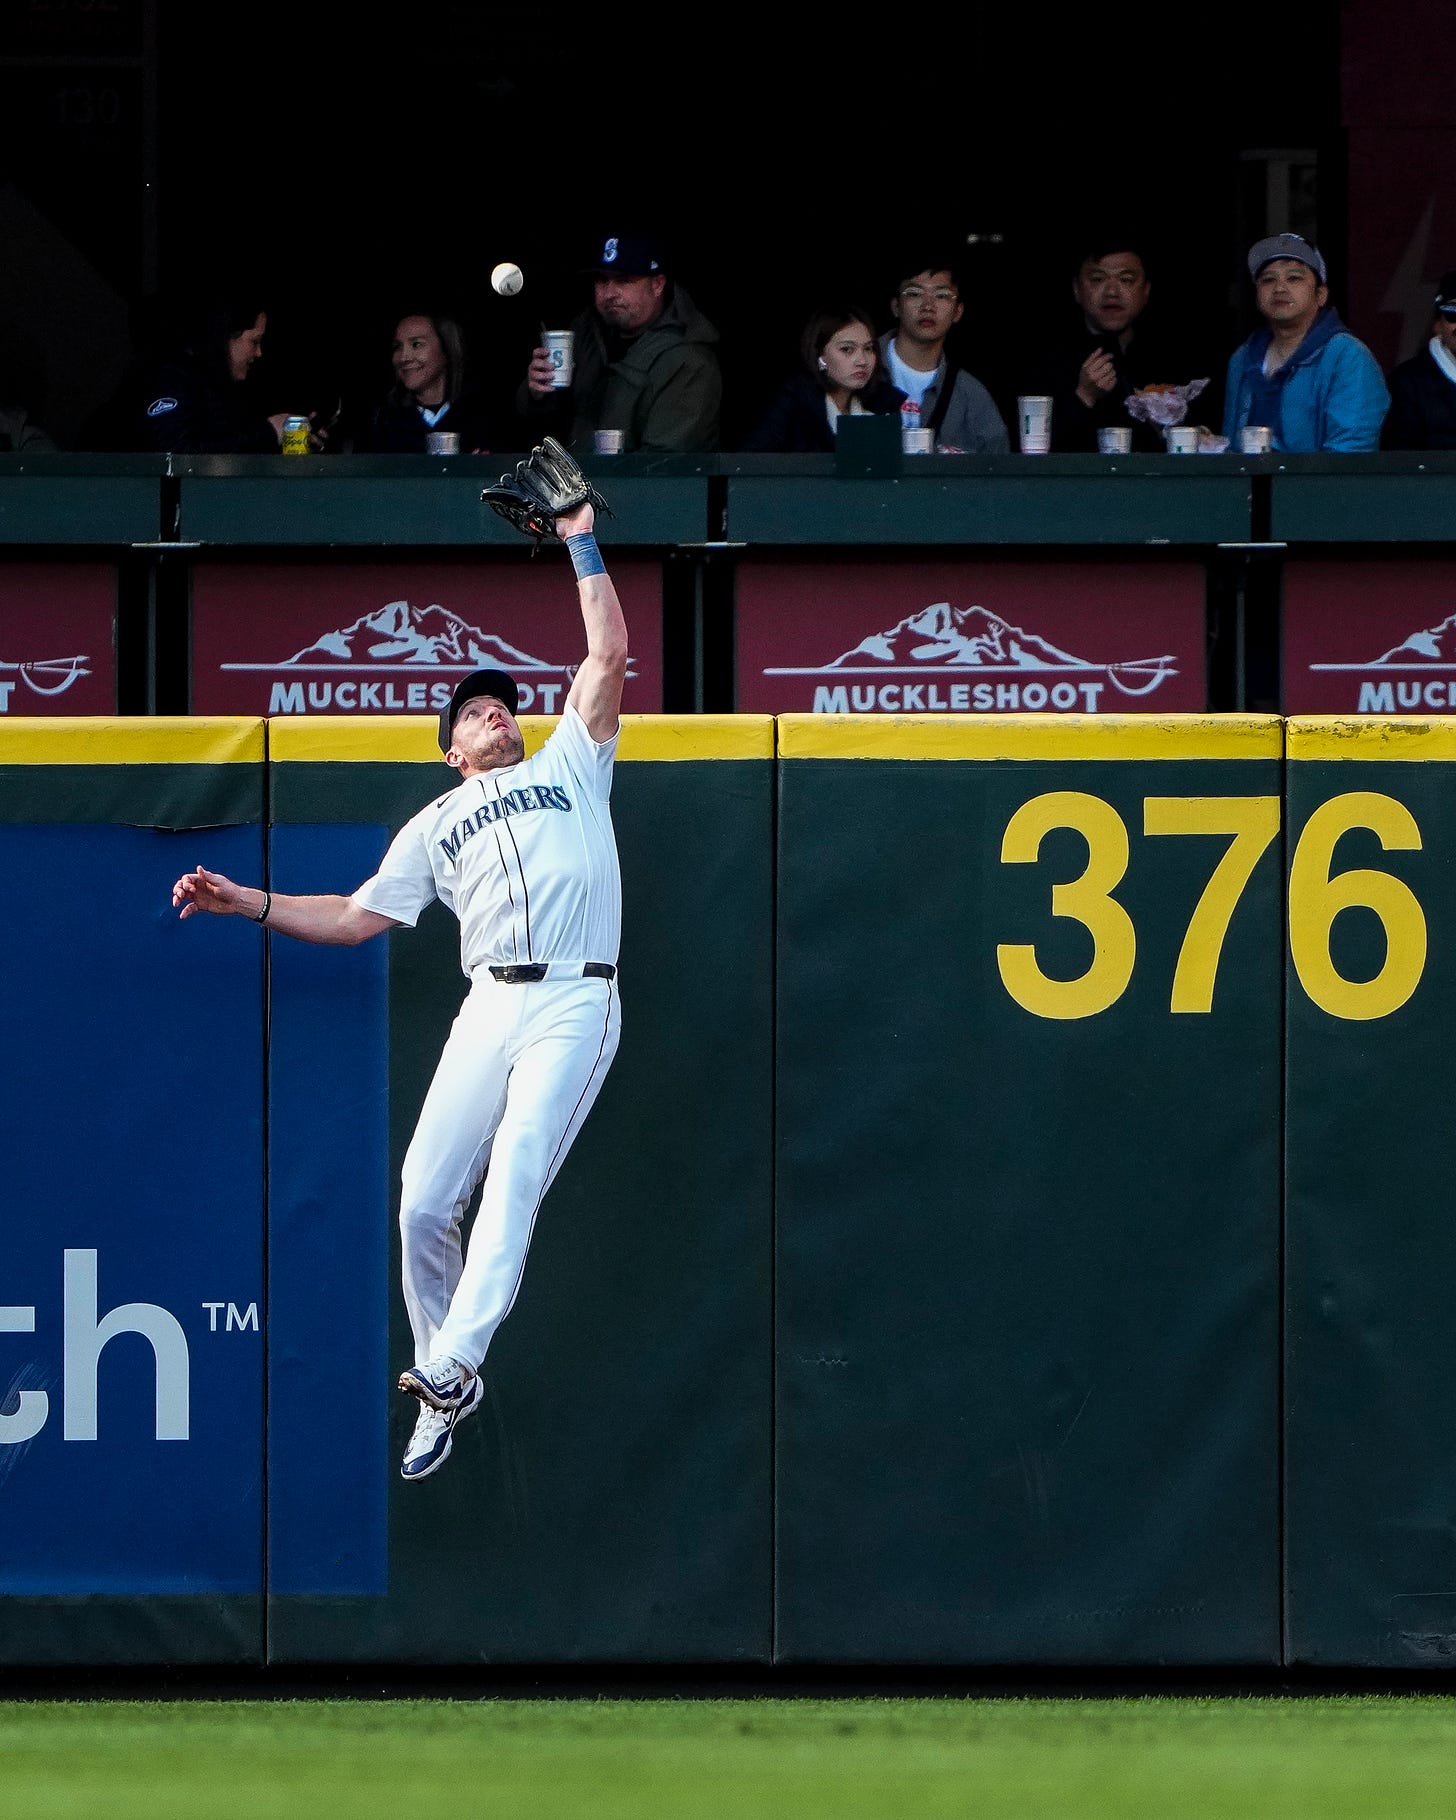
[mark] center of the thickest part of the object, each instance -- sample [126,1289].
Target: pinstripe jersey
[525,856]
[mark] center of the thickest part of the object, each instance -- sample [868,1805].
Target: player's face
[246,347]
[849,358]
[629,304]
[1112,291]
[485,737]
[1289,294]
[419,360]
[927,306]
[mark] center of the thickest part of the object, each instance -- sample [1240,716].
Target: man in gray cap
[645,360]
[1423,388]
[1302,373]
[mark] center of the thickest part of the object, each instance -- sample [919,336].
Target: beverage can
[1182,440]
[918,442]
[1115,440]
[1256,439]
[609,442]
[442,442]
[295,436]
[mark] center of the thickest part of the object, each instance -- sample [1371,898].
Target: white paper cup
[1115,440]
[1182,440]
[560,342]
[918,442]
[442,442]
[1034,424]
[609,442]
[1256,439]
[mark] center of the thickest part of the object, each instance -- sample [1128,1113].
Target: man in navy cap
[1302,373]
[645,360]
[1423,388]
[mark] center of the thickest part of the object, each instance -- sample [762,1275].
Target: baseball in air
[507,279]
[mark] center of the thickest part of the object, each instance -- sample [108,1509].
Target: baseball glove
[540,488]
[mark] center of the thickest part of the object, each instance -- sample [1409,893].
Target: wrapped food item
[1163,405]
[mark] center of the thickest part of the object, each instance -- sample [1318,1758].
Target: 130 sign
[1316,897]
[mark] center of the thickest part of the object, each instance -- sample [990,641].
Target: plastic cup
[1256,439]
[1034,424]
[918,442]
[609,442]
[561,343]
[1182,440]
[442,442]
[1115,440]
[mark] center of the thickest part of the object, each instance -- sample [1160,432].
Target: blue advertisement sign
[132,1311]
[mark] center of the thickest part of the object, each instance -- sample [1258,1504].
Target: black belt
[526,973]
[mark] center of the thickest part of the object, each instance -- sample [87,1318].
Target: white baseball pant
[519,1072]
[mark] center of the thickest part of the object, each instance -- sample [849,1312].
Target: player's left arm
[596,690]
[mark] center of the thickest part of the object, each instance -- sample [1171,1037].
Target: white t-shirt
[911,381]
[525,857]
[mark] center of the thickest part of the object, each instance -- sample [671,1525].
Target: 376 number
[1251,823]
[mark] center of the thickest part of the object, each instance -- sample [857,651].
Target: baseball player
[522,851]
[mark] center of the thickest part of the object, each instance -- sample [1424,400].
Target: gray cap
[1286,246]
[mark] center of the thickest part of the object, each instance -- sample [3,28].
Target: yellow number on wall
[1315,899]
[1087,900]
[1253,821]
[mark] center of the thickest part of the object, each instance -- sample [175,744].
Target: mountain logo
[1420,673]
[430,646]
[1003,664]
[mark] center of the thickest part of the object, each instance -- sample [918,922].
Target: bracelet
[586,558]
[262,915]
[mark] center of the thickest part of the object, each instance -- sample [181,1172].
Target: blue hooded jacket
[1330,393]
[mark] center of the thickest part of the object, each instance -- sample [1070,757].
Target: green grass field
[1364,1756]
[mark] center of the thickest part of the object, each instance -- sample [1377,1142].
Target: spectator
[1303,374]
[429,393]
[192,395]
[839,374]
[646,360]
[1423,388]
[946,398]
[18,435]
[1111,349]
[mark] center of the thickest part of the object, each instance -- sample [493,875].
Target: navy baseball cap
[1446,296]
[1286,246]
[628,256]
[479,682]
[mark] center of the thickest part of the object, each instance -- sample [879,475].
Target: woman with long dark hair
[839,375]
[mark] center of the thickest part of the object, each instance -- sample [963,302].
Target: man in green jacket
[645,361]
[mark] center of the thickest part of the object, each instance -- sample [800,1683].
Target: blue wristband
[586,558]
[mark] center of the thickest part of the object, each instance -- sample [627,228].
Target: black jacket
[797,423]
[1148,359]
[175,406]
[1422,411]
[397,428]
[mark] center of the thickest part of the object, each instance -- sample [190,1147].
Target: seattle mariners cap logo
[160,406]
[609,252]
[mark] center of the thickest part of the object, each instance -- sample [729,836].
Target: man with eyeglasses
[1111,352]
[939,395]
[1423,388]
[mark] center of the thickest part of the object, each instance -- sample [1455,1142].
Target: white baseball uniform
[526,858]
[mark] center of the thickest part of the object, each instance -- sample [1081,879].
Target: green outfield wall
[1014,1230]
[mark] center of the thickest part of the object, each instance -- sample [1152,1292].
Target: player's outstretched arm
[336,920]
[596,690]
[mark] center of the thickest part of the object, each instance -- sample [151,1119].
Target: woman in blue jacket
[1303,374]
